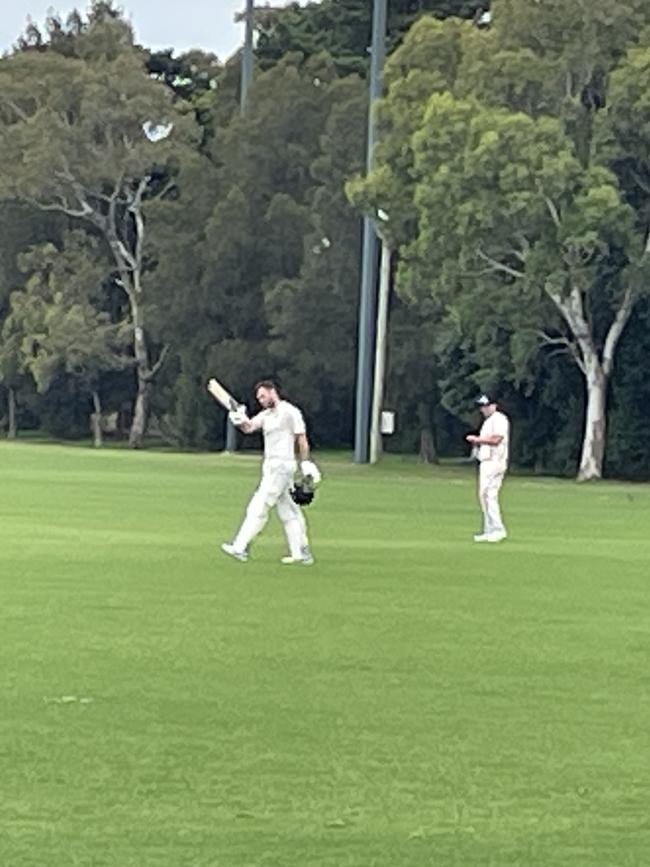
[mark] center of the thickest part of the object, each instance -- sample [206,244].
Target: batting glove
[238,416]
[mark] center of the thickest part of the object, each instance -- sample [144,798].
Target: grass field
[412,699]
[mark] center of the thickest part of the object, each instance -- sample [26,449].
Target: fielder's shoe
[482,537]
[229,549]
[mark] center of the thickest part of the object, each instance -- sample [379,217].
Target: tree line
[152,234]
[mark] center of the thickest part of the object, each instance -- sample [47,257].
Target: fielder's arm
[491,440]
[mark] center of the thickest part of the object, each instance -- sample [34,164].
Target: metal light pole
[380,352]
[246,79]
[368,290]
[247,55]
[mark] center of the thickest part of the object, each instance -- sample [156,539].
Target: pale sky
[206,24]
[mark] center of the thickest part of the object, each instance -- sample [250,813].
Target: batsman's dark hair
[265,383]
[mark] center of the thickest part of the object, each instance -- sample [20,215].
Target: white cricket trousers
[273,490]
[490,479]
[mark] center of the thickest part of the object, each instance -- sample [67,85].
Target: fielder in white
[284,432]
[492,447]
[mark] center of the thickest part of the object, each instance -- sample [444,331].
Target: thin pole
[380,353]
[368,289]
[246,79]
[247,55]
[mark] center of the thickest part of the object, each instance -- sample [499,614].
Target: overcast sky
[178,24]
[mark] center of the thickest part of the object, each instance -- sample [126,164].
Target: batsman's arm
[250,425]
[302,447]
[307,466]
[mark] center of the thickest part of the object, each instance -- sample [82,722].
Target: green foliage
[342,28]
[512,164]
[508,199]
[102,136]
[313,314]
[627,452]
[61,328]
[271,276]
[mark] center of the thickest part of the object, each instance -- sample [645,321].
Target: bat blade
[222,395]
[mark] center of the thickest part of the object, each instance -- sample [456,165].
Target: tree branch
[126,286]
[78,189]
[495,265]
[565,346]
[126,255]
[135,208]
[161,359]
[553,211]
[639,180]
[21,114]
[568,84]
[137,198]
[119,248]
[572,311]
[62,207]
[112,201]
[616,329]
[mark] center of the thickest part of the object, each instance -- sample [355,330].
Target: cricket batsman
[283,428]
[492,447]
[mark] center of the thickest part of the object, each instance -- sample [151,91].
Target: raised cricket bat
[224,397]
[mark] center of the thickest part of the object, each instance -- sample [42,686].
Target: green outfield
[412,699]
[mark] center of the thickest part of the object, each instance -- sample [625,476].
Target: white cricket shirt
[499,425]
[280,426]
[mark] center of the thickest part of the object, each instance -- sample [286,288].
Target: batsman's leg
[257,512]
[295,527]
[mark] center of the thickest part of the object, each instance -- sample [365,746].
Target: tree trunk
[129,264]
[141,408]
[96,421]
[12,429]
[428,451]
[596,370]
[427,447]
[593,445]
[140,412]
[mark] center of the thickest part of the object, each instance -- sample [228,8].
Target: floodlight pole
[380,352]
[247,55]
[368,289]
[245,83]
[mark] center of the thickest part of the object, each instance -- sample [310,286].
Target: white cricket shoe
[305,560]
[229,549]
[496,537]
[482,537]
